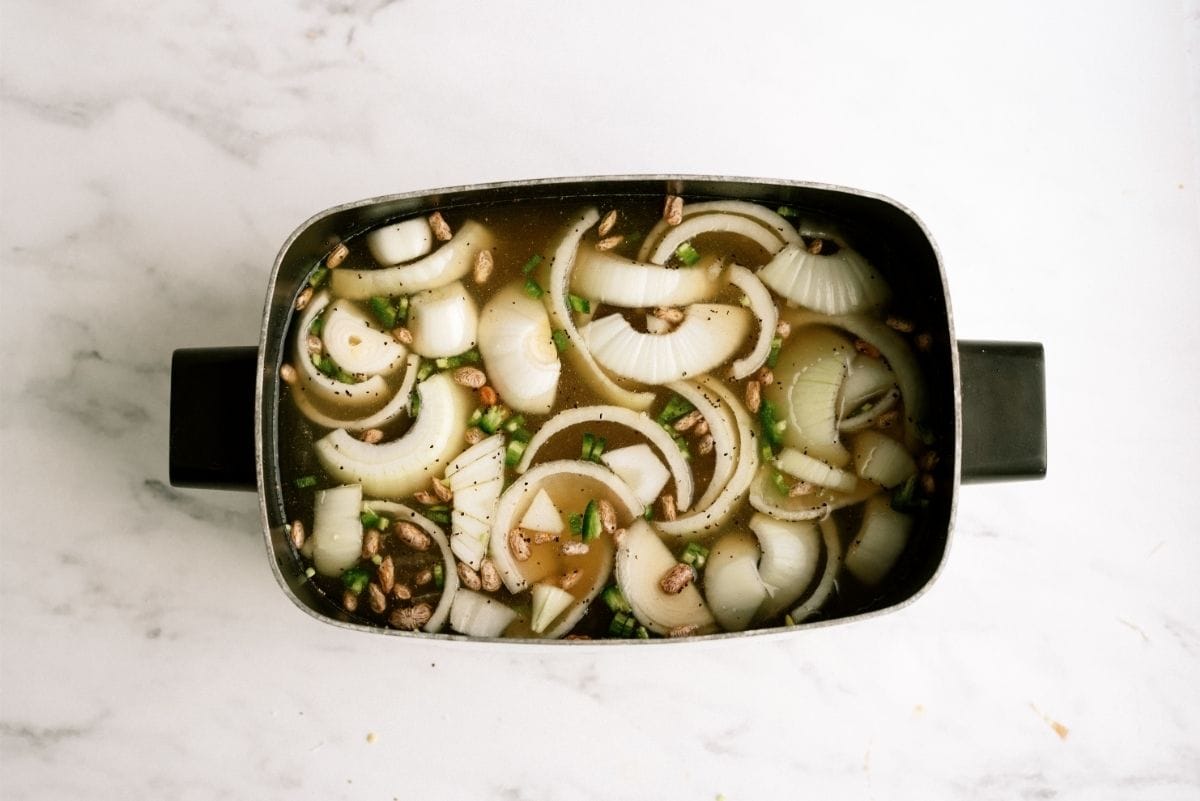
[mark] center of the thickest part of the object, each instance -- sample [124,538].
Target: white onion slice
[549,601]
[815,471]
[398,511]
[763,307]
[639,468]
[448,263]
[744,208]
[828,581]
[477,615]
[709,334]
[356,345]
[866,419]
[879,542]
[808,380]
[842,283]
[443,321]
[400,467]
[732,586]
[474,454]
[568,483]
[356,397]
[400,242]
[642,560]
[543,515]
[704,520]
[768,239]
[560,317]
[790,552]
[396,406]
[639,422]
[604,276]
[867,378]
[476,484]
[337,530]
[521,359]
[879,458]
[817,504]
[893,348]
[575,613]
[723,429]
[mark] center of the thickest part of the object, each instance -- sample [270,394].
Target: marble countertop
[156,155]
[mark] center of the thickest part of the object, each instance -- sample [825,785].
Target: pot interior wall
[889,236]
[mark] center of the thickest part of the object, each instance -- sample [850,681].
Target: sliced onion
[400,242]
[723,429]
[743,208]
[356,345]
[398,511]
[790,552]
[477,615]
[842,283]
[350,396]
[821,502]
[732,586]
[828,581]
[639,468]
[763,307]
[808,380]
[443,321]
[475,455]
[564,480]
[542,515]
[568,620]
[607,277]
[709,334]
[879,542]
[395,407]
[549,601]
[866,379]
[642,560]
[337,530]
[448,263]
[893,348]
[400,467]
[768,239]
[815,471]
[867,418]
[521,359]
[704,520]
[476,478]
[560,317]
[879,458]
[639,422]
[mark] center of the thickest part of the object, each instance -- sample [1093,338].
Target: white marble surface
[154,157]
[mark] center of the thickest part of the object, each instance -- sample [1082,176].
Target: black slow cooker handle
[212,418]
[1003,410]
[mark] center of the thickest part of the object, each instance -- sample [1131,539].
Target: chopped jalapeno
[532,289]
[687,254]
[383,310]
[676,407]
[532,264]
[561,340]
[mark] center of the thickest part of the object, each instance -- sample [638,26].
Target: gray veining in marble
[154,156]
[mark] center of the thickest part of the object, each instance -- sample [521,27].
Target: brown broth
[522,230]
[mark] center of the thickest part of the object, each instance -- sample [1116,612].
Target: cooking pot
[987,399]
